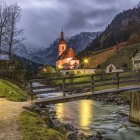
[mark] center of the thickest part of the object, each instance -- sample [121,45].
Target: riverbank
[34,127]
[118,99]
[51,122]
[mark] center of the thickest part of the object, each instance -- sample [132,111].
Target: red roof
[67,54]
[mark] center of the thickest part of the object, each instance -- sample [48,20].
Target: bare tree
[4,18]
[12,36]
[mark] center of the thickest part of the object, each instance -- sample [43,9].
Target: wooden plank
[84,96]
[39,87]
[126,77]
[77,88]
[78,83]
[107,79]
[45,92]
[129,81]
[105,84]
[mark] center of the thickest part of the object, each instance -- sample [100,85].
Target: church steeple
[62,35]
[62,44]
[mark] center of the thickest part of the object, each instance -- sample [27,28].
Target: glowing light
[59,67]
[86,61]
[44,69]
[85,113]
[60,111]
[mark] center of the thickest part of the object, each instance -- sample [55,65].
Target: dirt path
[9,111]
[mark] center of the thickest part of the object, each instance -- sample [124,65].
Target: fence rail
[84,82]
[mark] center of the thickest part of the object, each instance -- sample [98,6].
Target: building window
[63,48]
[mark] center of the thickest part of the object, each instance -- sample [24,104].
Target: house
[66,57]
[111,68]
[4,62]
[136,61]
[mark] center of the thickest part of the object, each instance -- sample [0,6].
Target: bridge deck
[75,97]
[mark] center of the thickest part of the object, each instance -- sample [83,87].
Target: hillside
[119,30]
[120,57]
[123,56]
[100,57]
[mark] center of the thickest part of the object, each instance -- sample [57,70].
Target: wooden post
[64,94]
[139,76]
[135,108]
[118,79]
[92,82]
[31,91]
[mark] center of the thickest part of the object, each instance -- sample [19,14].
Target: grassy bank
[123,56]
[11,92]
[32,127]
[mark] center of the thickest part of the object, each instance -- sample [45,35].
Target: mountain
[50,54]
[121,28]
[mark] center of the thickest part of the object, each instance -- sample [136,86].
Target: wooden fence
[83,83]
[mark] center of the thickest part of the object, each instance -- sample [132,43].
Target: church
[66,57]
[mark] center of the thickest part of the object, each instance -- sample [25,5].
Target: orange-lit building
[66,57]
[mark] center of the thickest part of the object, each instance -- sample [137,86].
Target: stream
[89,116]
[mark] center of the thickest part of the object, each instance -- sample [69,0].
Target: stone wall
[78,71]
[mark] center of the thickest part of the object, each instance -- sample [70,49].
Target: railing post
[139,75]
[31,91]
[118,79]
[64,94]
[92,83]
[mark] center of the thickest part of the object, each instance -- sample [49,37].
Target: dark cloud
[43,19]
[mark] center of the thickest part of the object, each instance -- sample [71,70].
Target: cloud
[43,19]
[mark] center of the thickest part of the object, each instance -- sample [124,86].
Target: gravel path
[9,112]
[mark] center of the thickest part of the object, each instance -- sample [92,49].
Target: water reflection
[60,111]
[81,111]
[86,113]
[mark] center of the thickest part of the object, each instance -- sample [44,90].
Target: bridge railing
[84,83]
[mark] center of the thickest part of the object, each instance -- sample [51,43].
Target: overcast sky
[44,19]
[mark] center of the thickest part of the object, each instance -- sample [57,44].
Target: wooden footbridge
[72,88]
[83,87]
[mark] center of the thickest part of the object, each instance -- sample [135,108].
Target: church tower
[62,44]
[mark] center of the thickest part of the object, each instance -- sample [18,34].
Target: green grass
[123,56]
[11,91]
[31,127]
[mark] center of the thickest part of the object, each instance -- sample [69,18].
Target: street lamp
[86,61]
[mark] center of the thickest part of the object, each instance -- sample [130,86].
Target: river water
[90,116]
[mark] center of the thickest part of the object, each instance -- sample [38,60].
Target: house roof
[74,58]
[110,65]
[67,54]
[136,56]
